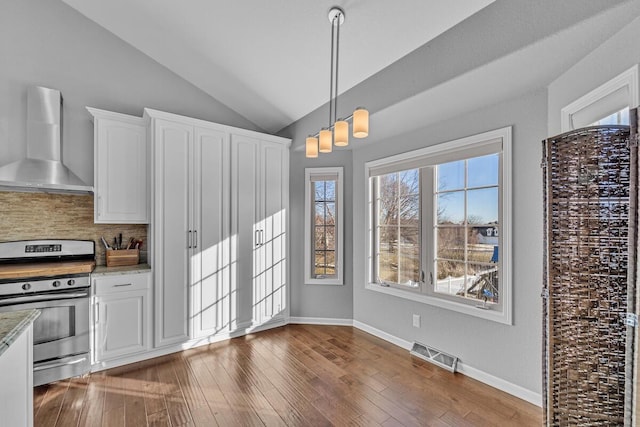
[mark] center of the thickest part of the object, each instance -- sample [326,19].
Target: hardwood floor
[297,375]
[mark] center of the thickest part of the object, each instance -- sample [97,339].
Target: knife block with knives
[121,257]
[116,256]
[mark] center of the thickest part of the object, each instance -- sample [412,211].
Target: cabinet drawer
[121,283]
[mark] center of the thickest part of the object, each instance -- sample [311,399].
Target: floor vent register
[434,356]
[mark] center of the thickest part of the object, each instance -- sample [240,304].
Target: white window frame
[599,101]
[309,173]
[430,156]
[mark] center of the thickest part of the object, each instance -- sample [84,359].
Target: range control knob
[71,282]
[56,283]
[26,286]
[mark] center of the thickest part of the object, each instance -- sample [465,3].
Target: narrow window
[323,226]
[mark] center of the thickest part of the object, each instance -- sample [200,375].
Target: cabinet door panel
[122,325]
[245,229]
[121,172]
[275,194]
[171,226]
[210,297]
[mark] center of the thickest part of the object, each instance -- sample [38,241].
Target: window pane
[319,263]
[451,208]
[330,194]
[450,176]
[480,252]
[409,256]
[388,254]
[318,190]
[450,242]
[409,182]
[319,213]
[388,201]
[483,171]
[330,218]
[319,238]
[482,282]
[409,210]
[330,236]
[482,206]
[330,263]
[450,277]
[483,243]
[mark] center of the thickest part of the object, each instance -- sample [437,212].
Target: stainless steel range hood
[42,169]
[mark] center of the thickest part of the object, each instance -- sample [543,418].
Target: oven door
[62,329]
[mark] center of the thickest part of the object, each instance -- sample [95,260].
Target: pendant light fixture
[337,133]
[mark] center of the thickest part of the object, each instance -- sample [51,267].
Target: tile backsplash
[29,216]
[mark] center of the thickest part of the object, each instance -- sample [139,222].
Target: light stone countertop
[12,324]
[103,270]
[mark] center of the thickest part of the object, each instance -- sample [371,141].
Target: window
[439,225]
[323,226]
[467,228]
[618,118]
[398,228]
[607,102]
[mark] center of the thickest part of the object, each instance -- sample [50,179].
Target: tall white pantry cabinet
[218,228]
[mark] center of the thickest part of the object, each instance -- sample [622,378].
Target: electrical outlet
[416,320]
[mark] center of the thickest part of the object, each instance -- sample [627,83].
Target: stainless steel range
[52,276]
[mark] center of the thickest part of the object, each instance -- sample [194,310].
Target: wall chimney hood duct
[42,169]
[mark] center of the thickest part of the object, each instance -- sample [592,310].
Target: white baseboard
[174,348]
[506,386]
[381,334]
[471,372]
[320,321]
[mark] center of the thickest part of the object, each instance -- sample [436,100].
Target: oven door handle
[39,298]
[58,364]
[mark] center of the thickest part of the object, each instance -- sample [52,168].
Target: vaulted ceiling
[269,60]
[410,62]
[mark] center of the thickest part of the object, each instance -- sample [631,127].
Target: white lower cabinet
[121,316]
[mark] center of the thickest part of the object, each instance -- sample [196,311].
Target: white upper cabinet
[120,168]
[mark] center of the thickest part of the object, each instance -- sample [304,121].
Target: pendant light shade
[312,147]
[341,133]
[326,145]
[360,123]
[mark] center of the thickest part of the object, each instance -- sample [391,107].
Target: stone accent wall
[27,216]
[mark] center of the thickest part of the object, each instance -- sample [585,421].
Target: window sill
[329,282]
[503,317]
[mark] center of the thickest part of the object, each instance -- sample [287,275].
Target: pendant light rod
[336,17]
[337,132]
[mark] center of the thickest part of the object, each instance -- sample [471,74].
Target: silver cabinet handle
[99,205]
[121,284]
[189,239]
[261,237]
[257,237]
[96,313]
[195,233]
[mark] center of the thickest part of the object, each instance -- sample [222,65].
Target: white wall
[511,353]
[47,43]
[614,56]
